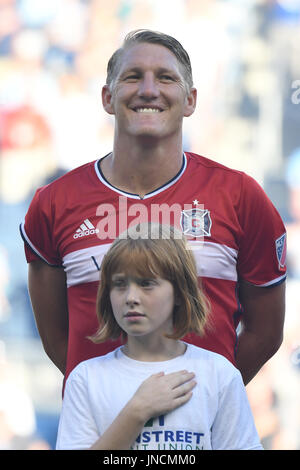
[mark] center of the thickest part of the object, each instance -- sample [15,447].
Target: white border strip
[80,267]
[275,281]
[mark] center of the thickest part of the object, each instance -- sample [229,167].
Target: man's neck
[142,168]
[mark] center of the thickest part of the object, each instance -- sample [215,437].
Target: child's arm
[158,394]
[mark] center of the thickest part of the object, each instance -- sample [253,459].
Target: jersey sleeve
[262,246]
[38,229]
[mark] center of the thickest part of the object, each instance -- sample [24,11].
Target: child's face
[142,306]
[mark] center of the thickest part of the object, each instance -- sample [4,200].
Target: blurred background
[53,55]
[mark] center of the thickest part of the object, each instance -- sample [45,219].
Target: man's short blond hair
[152,37]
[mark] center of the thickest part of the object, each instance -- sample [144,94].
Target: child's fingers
[184,389]
[176,379]
[179,401]
[172,390]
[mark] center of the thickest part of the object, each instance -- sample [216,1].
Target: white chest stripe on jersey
[212,260]
[215,260]
[80,265]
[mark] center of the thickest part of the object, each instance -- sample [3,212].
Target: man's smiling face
[149,96]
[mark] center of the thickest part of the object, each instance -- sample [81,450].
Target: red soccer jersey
[234,230]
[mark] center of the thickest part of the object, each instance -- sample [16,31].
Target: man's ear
[191,101]
[107,100]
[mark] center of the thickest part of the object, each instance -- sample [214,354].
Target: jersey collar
[136,196]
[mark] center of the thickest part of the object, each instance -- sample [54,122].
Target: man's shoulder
[209,163]
[219,172]
[70,177]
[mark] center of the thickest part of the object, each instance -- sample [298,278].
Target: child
[155,392]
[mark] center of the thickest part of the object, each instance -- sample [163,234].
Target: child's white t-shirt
[218,415]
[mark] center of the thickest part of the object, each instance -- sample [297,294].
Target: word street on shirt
[169,440]
[159,437]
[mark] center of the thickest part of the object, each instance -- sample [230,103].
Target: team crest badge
[280,245]
[196,222]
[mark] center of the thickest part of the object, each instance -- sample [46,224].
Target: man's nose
[132,294]
[148,87]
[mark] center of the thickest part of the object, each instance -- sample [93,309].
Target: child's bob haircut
[153,250]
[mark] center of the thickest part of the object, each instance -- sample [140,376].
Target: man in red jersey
[238,238]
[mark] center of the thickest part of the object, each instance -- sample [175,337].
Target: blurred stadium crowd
[53,56]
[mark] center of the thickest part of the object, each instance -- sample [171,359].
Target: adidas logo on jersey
[87,228]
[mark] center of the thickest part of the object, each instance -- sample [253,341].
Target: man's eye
[166,77]
[132,77]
